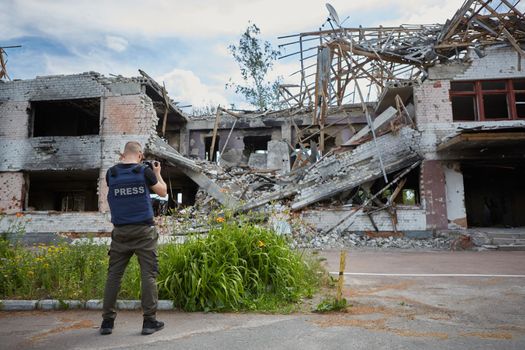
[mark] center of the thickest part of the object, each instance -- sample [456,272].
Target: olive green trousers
[127,240]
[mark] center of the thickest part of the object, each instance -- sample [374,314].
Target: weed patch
[235,267]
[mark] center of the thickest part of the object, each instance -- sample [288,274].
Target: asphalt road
[400,300]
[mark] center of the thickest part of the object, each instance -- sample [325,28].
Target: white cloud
[94,30]
[116,43]
[92,60]
[186,87]
[196,19]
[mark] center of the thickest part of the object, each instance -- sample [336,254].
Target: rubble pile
[351,239]
[242,183]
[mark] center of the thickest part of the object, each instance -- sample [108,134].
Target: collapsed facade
[408,129]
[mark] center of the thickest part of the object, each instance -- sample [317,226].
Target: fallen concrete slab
[344,171]
[379,121]
[157,147]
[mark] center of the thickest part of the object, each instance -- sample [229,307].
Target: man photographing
[134,232]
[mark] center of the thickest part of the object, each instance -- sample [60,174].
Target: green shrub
[235,267]
[331,304]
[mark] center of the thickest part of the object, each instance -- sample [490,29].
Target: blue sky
[181,43]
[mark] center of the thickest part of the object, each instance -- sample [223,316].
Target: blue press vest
[128,196]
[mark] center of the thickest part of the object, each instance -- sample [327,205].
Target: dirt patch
[378,325]
[365,310]
[488,335]
[9,314]
[62,329]
[410,333]
[422,308]
[341,321]
[352,293]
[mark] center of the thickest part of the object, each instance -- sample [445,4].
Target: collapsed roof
[361,65]
[333,72]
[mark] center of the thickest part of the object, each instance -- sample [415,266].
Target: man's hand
[156,167]
[160,187]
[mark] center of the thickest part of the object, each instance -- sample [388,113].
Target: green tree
[255,58]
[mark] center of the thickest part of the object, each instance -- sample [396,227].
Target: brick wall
[129,114]
[124,118]
[57,87]
[431,98]
[444,200]
[126,114]
[433,194]
[499,63]
[14,118]
[11,192]
[432,102]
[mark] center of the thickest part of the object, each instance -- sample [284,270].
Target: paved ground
[400,300]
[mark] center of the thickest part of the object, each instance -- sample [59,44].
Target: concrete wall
[409,219]
[52,152]
[60,222]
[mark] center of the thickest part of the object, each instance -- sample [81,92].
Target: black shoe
[107,326]
[151,326]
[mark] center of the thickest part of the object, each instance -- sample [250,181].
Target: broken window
[65,191]
[488,100]
[66,117]
[256,144]
[207,146]
[519,97]
[464,108]
[409,194]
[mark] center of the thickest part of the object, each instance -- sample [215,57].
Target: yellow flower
[261,244]
[220,219]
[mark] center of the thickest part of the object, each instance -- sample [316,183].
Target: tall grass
[63,271]
[235,268]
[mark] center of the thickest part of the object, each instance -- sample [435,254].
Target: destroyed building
[410,129]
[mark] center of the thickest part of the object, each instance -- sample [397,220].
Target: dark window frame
[478,93]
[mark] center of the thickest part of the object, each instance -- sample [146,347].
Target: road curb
[93,304]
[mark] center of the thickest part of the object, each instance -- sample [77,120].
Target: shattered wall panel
[350,169]
[11,192]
